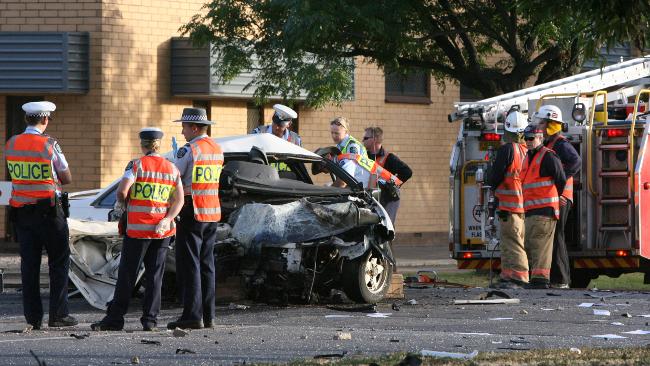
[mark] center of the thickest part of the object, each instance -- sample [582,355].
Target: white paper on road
[638,331]
[338,316]
[608,336]
[466,356]
[466,333]
[548,309]
[601,312]
[586,305]
[379,315]
[617,323]
[644,315]
[500,319]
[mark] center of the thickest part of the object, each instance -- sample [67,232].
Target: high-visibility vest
[29,162]
[381,160]
[344,149]
[149,197]
[568,189]
[371,166]
[509,192]
[208,162]
[539,192]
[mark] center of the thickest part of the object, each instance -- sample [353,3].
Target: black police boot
[104,326]
[66,321]
[185,324]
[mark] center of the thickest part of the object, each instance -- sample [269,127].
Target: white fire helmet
[550,112]
[516,122]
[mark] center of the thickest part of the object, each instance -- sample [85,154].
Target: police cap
[151,133]
[39,109]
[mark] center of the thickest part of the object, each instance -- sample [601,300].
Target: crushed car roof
[270,143]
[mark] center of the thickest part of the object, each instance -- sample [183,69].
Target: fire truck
[608,229]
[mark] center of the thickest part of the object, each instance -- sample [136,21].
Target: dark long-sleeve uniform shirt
[551,166]
[571,160]
[393,164]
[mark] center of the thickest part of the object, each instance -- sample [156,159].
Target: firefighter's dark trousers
[514,262]
[539,245]
[560,267]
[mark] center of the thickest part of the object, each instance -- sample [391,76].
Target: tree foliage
[491,46]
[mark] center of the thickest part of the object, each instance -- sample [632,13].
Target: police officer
[155,197]
[282,119]
[199,162]
[373,138]
[340,132]
[549,119]
[505,178]
[38,168]
[543,179]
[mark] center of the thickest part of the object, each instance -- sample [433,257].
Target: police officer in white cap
[38,168]
[199,162]
[282,119]
[152,193]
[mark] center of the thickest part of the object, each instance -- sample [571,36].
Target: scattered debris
[146,341]
[395,306]
[638,331]
[488,298]
[465,356]
[339,316]
[178,332]
[27,329]
[331,355]
[602,296]
[519,341]
[575,350]
[608,336]
[602,312]
[372,308]
[500,319]
[514,348]
[626,315]
[379,315]
[38,361]
[343,336]
[79,336]
[481,334]
[496,342]
[394,340]
[303,337]
[493,293]
[616,323]
[523,311]
[182,351]
[553,294]
[644,315]
[586,305]
[135,360]
[551,309]
[412,302]
[234,306]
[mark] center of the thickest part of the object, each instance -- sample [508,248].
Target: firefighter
[38,168]
[155,197]
[282,119]
[543,178]
[199,162]
[549,120]
[390,194]
[505,178]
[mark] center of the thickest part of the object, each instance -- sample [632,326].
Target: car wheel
[366,279]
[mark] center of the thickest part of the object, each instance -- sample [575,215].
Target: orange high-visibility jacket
[539,192]
[371,166]
[29,162]
[208,162]
[149,197]
[568,188]
[509,192]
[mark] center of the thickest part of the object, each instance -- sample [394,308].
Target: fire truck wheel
[366,279]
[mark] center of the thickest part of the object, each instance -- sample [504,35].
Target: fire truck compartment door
[642,194]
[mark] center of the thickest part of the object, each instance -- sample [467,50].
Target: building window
[414,87]
[254,116]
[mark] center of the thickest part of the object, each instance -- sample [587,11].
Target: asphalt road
[265,333]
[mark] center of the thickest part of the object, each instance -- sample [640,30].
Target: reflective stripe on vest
[29,163]
[351,139]
[371,166]
[149,197]
[382,159]
[208,162]
[509,192]
[568,188]
[539,192]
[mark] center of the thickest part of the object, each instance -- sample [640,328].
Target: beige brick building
[129,88]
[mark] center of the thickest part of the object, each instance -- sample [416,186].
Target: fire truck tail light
[468,255]
[622,253]
[490,137]
[617,132]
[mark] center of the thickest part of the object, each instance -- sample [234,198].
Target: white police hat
[151,133]
[39,109]
[284,113]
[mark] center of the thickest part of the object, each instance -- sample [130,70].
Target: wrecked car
[289,236]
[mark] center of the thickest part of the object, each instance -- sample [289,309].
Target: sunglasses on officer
[366,138]
[529,138]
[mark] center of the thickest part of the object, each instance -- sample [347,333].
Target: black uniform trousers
[560,267]
[195,265]
[38,227]
[134,252]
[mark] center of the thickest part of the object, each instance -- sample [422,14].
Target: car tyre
[366,279]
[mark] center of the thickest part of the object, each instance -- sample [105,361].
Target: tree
[492,47]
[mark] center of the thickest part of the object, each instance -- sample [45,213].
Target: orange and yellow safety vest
[208,162]
[29,162]
[539,192]
[509,192]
